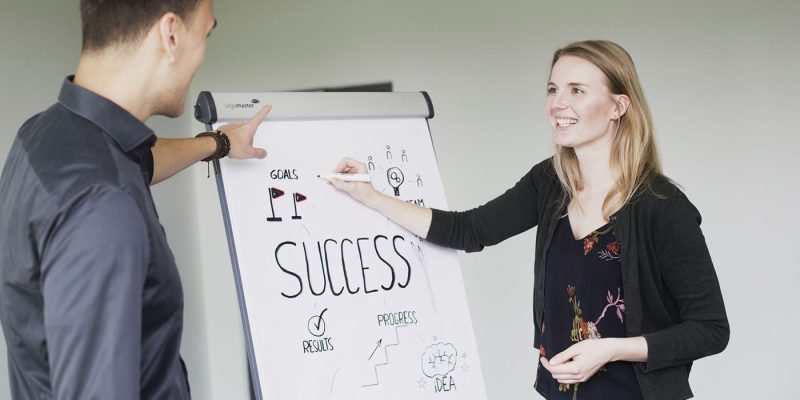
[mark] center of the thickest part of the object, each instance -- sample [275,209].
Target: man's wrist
[209,145]
[222,142]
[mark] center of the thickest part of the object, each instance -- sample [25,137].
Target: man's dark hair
[107,22]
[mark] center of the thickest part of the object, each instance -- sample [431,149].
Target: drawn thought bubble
[439,360]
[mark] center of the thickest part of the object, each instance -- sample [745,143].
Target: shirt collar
[126,130]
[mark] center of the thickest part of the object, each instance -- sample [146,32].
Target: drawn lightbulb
[396,178]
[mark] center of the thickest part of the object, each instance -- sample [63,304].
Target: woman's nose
[559,101]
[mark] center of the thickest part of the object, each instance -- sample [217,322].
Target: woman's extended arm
[511,213]
[410,216]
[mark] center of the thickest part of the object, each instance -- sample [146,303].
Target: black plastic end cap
[205,110]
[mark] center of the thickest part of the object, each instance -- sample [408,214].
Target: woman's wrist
[372,199]
[633,349]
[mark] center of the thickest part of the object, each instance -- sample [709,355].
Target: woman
[625,293]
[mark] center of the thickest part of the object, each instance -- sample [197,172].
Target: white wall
[720,77]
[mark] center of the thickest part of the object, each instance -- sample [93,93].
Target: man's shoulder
[58,162]
[65,151]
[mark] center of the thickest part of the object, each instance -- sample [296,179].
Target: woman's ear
[621,104]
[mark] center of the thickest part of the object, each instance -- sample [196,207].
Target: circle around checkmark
[316,324]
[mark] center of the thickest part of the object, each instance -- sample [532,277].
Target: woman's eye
[551,90]
[577,91]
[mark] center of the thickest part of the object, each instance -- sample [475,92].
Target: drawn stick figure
[403,156]
[388,152]
[370,165]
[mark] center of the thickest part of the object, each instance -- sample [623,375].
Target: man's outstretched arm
[171,156]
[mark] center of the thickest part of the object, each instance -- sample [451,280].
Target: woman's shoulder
[660,186]
[540,182]
[662,197]
[544,171]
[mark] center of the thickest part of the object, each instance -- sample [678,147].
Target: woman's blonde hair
[634,157]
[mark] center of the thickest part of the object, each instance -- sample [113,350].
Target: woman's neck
[595,168]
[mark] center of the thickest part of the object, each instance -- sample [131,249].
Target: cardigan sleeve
[511,213]
[688,273]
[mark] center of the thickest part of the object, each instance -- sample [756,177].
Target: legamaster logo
[251,104]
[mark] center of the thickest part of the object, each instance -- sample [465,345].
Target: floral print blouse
[584,300]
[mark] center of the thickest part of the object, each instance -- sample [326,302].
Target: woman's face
[580,106]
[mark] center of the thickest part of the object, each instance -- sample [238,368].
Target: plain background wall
[721,79]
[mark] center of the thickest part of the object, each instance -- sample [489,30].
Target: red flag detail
[275,192]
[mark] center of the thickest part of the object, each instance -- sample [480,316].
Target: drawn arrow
[376,349]
[386,353]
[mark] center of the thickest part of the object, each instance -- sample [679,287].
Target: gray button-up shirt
[90,298]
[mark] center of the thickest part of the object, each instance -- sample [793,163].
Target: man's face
[190,53]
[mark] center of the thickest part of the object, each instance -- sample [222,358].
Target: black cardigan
[672,295]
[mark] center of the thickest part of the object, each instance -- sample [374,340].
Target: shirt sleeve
[688,273]
[148,166]
[93,271]
[511,213]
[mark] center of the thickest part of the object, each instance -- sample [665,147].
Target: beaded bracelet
[223,144]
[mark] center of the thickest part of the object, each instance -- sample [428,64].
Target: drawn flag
[298,197]
[275,192]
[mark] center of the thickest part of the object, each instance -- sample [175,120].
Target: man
[90,297]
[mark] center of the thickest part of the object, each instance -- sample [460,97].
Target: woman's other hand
[582,360]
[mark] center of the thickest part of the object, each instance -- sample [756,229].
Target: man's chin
[175,114]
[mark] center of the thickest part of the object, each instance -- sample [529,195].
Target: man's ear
[168,26]
[621,104]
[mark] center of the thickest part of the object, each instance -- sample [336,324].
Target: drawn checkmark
[316,325]
[319,319]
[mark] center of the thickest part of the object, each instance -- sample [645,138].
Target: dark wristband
[223,144]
